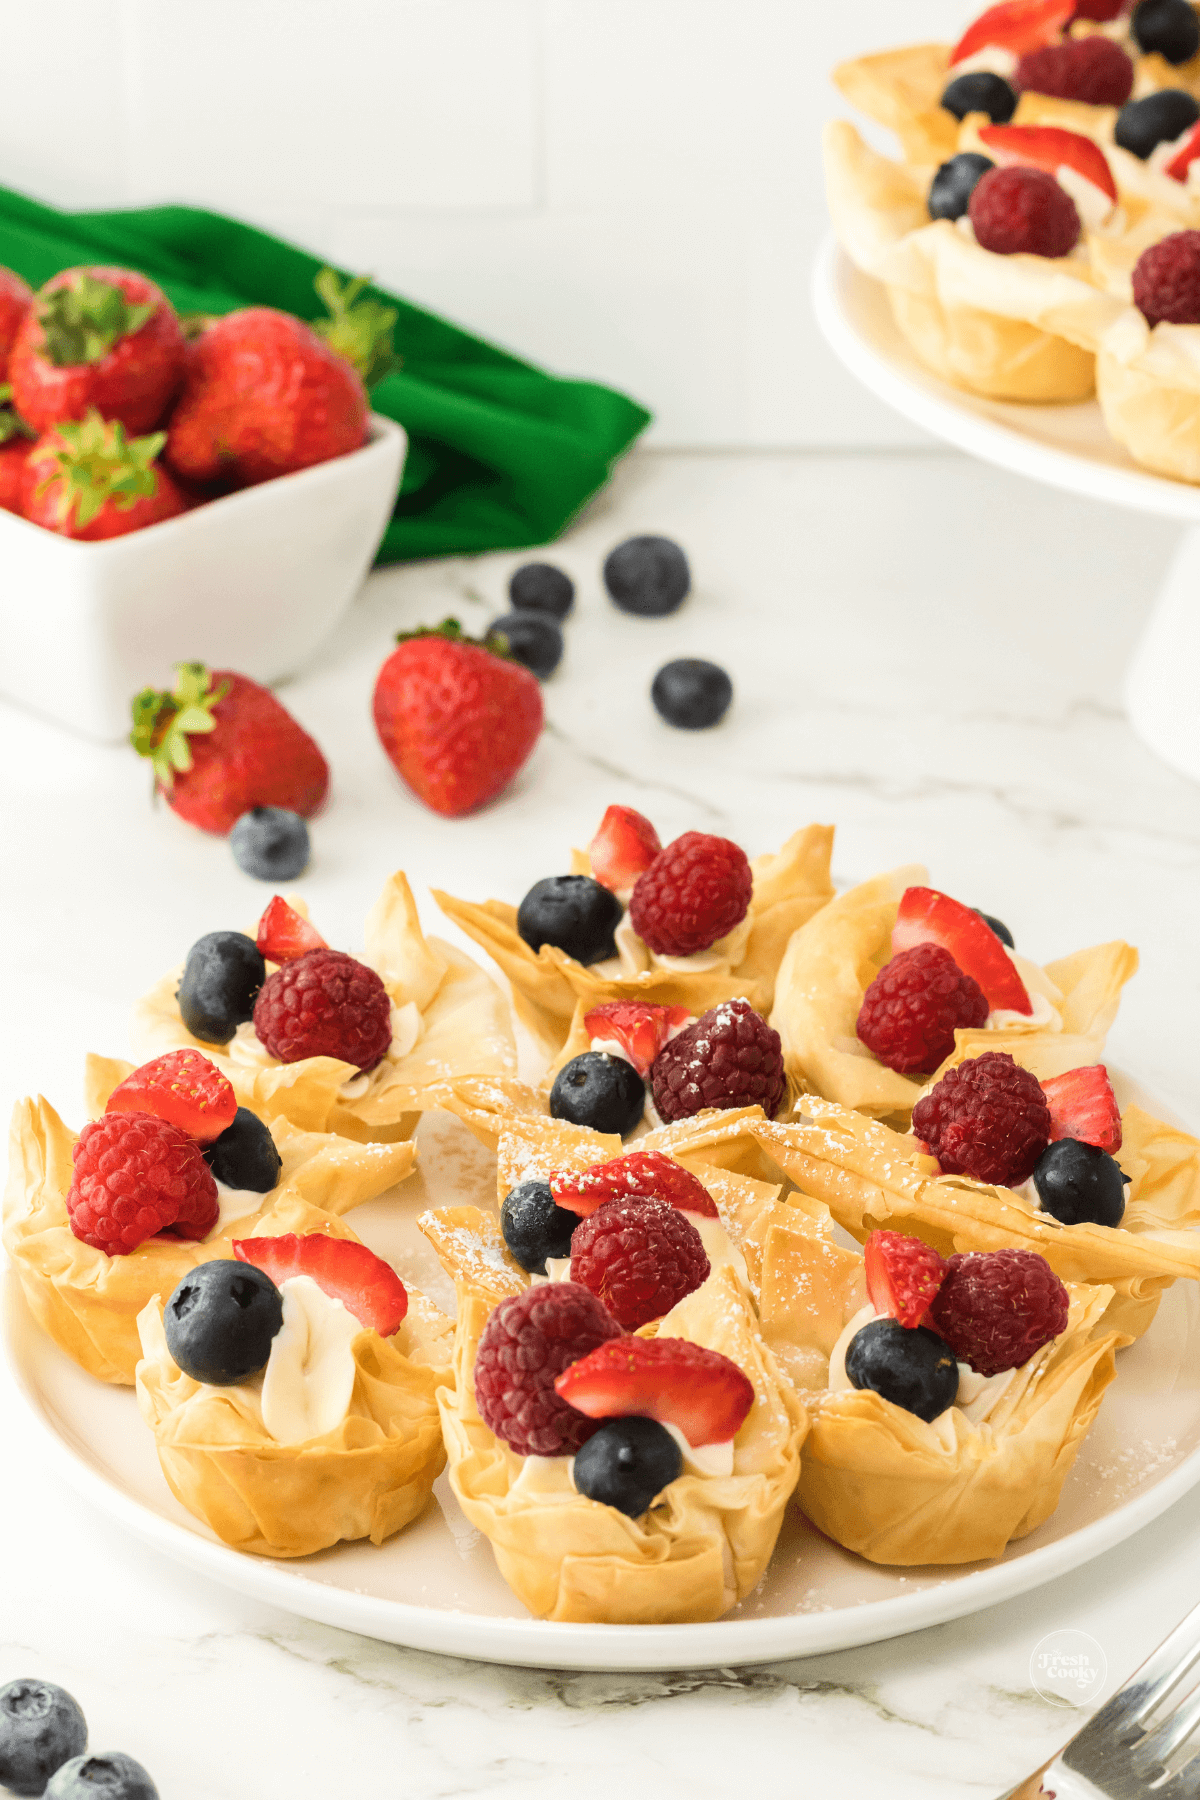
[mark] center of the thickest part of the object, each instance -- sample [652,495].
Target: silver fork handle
[1063,1783]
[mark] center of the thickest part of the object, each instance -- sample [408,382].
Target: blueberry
[1079,1184]
[574,913]
[270,843]
[540,587]
[1158,119]
[531,638]
[627,1464]
[41,1728]
[535,1226]
[951,188]
[221,979]
[1168,26]
[220,1321]
[692,693]
[244,1156]
[981,92]
[912,1368]
[113,1776]
[648,576]
[599,1090]
[997,925]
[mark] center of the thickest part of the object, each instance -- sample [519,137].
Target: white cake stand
[1066,446]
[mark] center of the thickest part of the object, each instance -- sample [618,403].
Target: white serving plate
[435,1586]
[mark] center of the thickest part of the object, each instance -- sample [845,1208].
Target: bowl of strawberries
[213,492]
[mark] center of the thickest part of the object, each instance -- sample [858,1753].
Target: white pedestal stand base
[1162,693]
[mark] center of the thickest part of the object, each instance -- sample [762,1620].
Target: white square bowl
[251,582]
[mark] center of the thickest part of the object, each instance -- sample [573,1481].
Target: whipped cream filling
[635,957]
[1044,998]
[247,1049]
[977,1397]
[993,59]
[553,1477]
[235,1203]
[306,1387]
[1093,205]
[1167,151]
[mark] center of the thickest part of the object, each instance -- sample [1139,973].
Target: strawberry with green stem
[358,329]
[16,297]
[16,440]
[97,339]
[88,480]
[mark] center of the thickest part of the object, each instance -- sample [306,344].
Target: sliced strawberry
[903,1276]
[182,1087]
[678,1383]
[623,848]
[1082,1105]
[283,935]
[1102,10]
[639,1028]
[646,1172]
[1016,25]
[1052,148]
[927,917]
[1185,156]
[366,1285]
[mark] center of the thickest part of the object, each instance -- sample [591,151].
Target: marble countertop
[925,651]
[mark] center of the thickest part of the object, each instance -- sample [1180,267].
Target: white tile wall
[628,189]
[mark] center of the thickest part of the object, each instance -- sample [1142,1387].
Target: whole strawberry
[88,480]
[456,719]
[220,744]
[263,395]
[16,297]
[14,455]
[102,339]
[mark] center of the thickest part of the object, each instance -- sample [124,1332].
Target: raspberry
[988,1119]
[325,1004]
[912,1009]
[996,1308]
[1166,280]
[135,1176]
[528,1341]
[1092,69]
[1022,209]
[640,1256]
[729,1057]
[694,891]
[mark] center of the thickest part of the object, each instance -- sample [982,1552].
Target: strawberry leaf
[452,631]
[81,323]
[93,462]
[162,722]
[358,329]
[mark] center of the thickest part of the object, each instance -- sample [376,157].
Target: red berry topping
[527,1342]
[640,1028]
[1102,10]
[987,1119]
[729,1057]
[1023,210]
[135,1176]
[996,1308]
[182,1087]
[640,1257]
[1017,25]
[1083,1106]
[927,917]
[913,1007]
[283,935]
[694,892]
[1185,156]
[325,1004]
[645,1172]
[623,848]
[1166,280]
[1050,147]
[345,1270]
[903,1275]
[699,1391]
[1091,69]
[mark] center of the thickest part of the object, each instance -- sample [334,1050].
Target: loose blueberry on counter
[1079,1184]
[270,843]
[599,1090]
[1169,27]
[244,1156]
[574,913]
[532,638]
[535,1226]
[41,1727]
[648,576]
[220,982]
[113,1776]
[691,693]
[955,181]
[997,925]
[1158,119]
[911,1367]
[540,587]
[220,1321]
[982,92]
[627,1464]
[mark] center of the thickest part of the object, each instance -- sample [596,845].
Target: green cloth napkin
[500,454]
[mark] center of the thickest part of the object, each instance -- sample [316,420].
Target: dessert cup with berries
[1148,362]
[170,1170]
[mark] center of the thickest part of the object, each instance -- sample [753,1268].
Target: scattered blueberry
[955,181]
[222,976]
[540,587]
[220,1321]
[244,1156]
[112,1776]
[535,1226]
[270,843]
[599,1090]
[41,1727]
[982,92]
[911,1367]
[531,638]
[572,912]
[692,693]
[1079,1184]
[627,1464]
[648,576]
[1158,119]
[997,925]
[1168,26]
